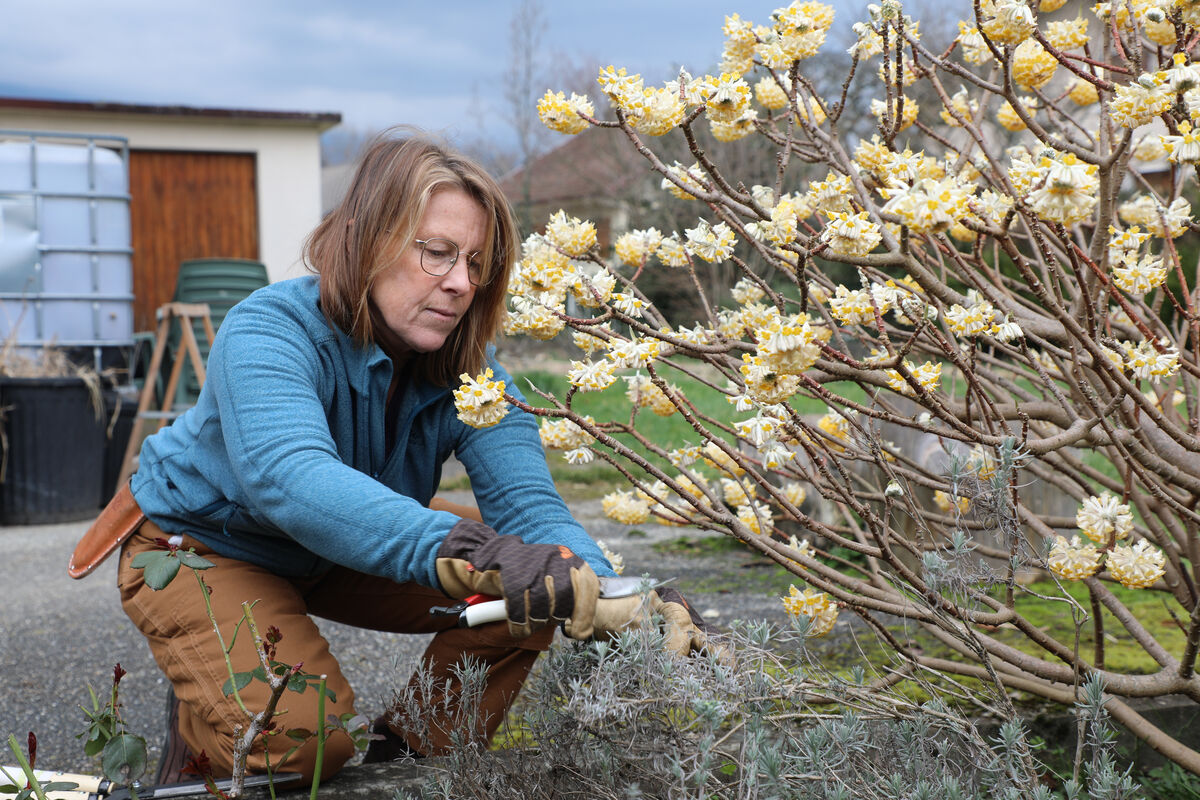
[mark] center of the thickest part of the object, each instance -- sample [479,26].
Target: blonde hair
[383,205]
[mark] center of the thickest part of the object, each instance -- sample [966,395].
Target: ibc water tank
[66,273]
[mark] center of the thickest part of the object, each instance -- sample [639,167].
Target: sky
[436,64]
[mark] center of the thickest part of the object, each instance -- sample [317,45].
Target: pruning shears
[92,787]
[479,609]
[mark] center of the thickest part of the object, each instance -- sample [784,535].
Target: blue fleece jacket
[282,462]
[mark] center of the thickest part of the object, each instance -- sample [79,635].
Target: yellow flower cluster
[1124,245]
[533,319]
[885,112]
[972,45]
[739,128]
[718,459]
[592,290]
[1140,101]
[770,94]
[981,462]
[480,400]
[821,613]
[1007,21]
[1100,517]
[558,113]
[711,243]
[728,98]
[1148,361]
[673,252]
[1073,560]
[1007,116]
[797,33]
[1140,276]
[765,383]
[644,393]
[738,492]
[977,319]
[946,501]
[589,341]
[1083,92]
[1183,148]
[616,559]
[858,306]
[928,375]
[738,54]
[625,508]
[794,493]
[572,236]
[837,427]
[756,517]
[1065,189]
[592,376]
[634,353]
[791,345]
[929,205]
[851,234]
[961,104]
[1162,221]
[1032,65]
[635,247]
[1068,34]
[563,434]
[691,179]
[1136,567]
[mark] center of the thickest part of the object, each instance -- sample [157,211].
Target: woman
[306,469]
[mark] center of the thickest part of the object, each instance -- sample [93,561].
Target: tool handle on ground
[85,784]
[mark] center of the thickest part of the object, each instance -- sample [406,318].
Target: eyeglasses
[438,257]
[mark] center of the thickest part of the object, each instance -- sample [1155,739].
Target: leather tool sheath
[116,523]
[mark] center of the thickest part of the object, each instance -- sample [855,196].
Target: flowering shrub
[1000,272]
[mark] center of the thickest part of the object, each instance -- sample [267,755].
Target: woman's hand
[541,583]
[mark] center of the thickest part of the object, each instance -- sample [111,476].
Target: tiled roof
[598,163]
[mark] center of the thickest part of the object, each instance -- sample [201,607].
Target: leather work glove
[541,584]
[684,631]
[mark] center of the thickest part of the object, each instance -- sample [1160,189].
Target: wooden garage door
[186,205]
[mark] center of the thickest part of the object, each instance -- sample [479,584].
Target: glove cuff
[455,557]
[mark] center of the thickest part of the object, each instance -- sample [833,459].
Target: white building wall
[288,164]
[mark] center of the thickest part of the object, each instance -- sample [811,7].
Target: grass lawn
[612,405]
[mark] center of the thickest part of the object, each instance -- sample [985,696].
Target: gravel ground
[61,635]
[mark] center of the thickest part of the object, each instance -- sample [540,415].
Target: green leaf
[298,683]
[124,758]
[332,697]
[189,559]
[94,745]
[161,571]
[299,735]
[146,557]
[239,679]
[60,786]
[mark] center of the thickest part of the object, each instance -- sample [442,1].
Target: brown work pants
[181,637]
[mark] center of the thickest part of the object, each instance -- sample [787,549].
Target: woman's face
[420,310]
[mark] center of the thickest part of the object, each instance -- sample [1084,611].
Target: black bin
[54,458]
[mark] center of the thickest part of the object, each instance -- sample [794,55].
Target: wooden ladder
[184,314]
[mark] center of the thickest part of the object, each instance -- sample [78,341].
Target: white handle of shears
[483,613]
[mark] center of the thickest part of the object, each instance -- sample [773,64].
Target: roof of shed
[319,119]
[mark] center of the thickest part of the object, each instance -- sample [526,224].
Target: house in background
[593,176]
[203,183]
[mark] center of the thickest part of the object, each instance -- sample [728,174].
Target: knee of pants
[272,750]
